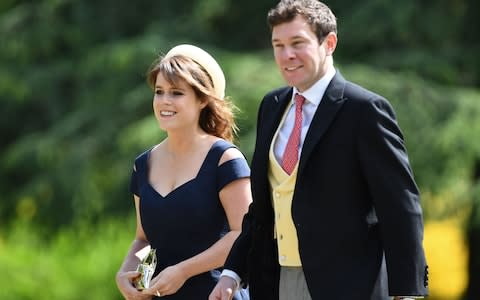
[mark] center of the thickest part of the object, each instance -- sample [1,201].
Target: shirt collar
[315,93]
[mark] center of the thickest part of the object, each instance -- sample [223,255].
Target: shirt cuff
[234,276]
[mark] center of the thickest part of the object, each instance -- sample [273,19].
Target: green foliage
[76,111]
[435,39]
[440,125]
[249,78]
[76,263]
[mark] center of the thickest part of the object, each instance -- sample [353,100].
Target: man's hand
[224,289]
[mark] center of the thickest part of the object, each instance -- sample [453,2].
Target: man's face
[298,53]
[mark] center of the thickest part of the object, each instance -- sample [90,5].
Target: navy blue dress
[190,219]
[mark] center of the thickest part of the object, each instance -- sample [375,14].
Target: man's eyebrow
[295,37]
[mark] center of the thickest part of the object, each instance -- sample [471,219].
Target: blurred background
[75,110]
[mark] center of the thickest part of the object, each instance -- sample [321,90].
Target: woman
[193,188]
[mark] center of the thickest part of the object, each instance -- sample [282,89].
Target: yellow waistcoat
[282,186]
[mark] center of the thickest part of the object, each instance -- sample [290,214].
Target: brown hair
[217,118]
[318,15]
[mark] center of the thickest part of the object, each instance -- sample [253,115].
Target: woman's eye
[158,92]
[177,93]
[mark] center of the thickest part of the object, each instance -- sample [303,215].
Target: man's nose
[288,53]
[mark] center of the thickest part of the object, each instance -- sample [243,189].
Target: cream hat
[204,59]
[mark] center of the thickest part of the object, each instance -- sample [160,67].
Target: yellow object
[204,59]
[282,186]
[447,256]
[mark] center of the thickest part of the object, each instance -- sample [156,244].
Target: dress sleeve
[232,170]
[134,186]
[137,180]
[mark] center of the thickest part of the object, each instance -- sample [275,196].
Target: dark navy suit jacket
[355,203]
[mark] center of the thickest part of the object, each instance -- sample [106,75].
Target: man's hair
[317,14]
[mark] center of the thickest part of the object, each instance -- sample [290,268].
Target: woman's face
[176,107]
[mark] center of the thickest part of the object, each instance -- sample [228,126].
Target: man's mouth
[292,68]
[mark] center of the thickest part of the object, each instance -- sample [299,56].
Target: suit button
[425,277]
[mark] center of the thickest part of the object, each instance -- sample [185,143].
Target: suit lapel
[331,103]
[275,108]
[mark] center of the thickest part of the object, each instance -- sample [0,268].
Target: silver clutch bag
[146,268]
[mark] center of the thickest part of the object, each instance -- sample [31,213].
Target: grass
[80,262]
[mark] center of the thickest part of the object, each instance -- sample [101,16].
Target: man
[335,205]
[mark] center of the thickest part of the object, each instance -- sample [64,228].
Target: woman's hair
[318,15]
[217,117]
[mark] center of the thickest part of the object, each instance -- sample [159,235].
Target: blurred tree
[435,39]
[75,106]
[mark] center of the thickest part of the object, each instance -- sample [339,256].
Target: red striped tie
[290,156]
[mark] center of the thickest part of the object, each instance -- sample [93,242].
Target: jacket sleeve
[237,259]
[387,170]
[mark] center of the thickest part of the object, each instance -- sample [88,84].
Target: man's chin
[291,81]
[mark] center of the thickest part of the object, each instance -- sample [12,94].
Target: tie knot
[299,100]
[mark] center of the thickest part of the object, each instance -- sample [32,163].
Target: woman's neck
[184,144]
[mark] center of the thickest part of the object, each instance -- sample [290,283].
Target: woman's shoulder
[143,157]
[228,149]
[145,153]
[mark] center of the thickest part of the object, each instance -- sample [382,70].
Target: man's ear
[330,43]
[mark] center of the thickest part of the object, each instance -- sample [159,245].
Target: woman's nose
[164,98]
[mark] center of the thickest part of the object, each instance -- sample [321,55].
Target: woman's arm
[127,272]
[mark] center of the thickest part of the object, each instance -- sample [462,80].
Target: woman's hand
[168,282]
[125,285]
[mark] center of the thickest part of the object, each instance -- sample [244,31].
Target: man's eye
[297,43]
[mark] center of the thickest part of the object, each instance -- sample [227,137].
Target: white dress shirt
[313,96]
